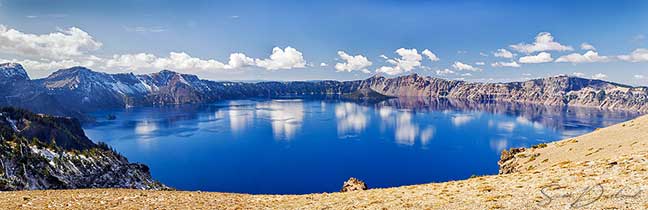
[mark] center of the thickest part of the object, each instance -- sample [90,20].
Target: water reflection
[406,129]
[286,116]
[145,127]
[351,118]
[461,119]
[239,114]
[498,144]
[568,120]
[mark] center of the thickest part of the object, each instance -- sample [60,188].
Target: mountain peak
[13,71]
[73,71]
[166,71]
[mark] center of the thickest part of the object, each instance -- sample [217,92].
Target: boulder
[353,184]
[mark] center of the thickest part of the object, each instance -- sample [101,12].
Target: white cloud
[503,53]
[323,64]
[579,74]
[238,60]
[587,46]
[280,59]
[480,63]
[467,74]
[638,55]
[287,58]
[639,76]
[464,67]
[444,72]
[410,59]
[352,63]
[58,45]
[175,61]
[542,57]
[430,55]
[483,54]
[588,57]
[506,64]
[599,76]
[34,65]
[544,41]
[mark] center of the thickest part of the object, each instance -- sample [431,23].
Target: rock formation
[353,184]
[44,152]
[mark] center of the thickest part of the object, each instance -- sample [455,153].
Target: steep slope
[44,152]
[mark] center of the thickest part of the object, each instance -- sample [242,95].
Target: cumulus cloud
[542,57]
[480,63]
[286,58]
[464,67]
[639,76]
[444,72]
[352,63]
[430,55]
[58,45]
[323,64]
[51,65]
[238,60]
[638,55]
[587,46]
[579,74]
[280,59]
[410,59]
[506,64]
[588,57]
[175,61]
[71,47]
[544,41]
[599,76]
[503,53]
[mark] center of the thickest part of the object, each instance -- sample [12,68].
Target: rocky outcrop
[44,152]
[508,162]
[12,72]
[353,184]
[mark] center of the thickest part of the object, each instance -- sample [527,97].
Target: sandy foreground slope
[605,169]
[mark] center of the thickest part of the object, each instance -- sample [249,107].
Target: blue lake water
[297,146]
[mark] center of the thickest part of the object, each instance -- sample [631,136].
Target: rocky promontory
[45,152]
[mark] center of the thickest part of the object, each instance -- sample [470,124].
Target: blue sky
[139,35]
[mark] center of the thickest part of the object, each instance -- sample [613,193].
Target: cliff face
[73,91]
[557,91]
[43,152]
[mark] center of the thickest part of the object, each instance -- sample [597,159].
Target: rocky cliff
[73,91]
[556,91]
[44,152]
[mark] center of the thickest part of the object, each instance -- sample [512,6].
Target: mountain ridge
[77,90]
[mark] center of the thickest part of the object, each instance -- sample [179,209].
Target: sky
[480,41]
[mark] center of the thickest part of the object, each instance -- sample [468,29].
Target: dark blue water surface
[302,146]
